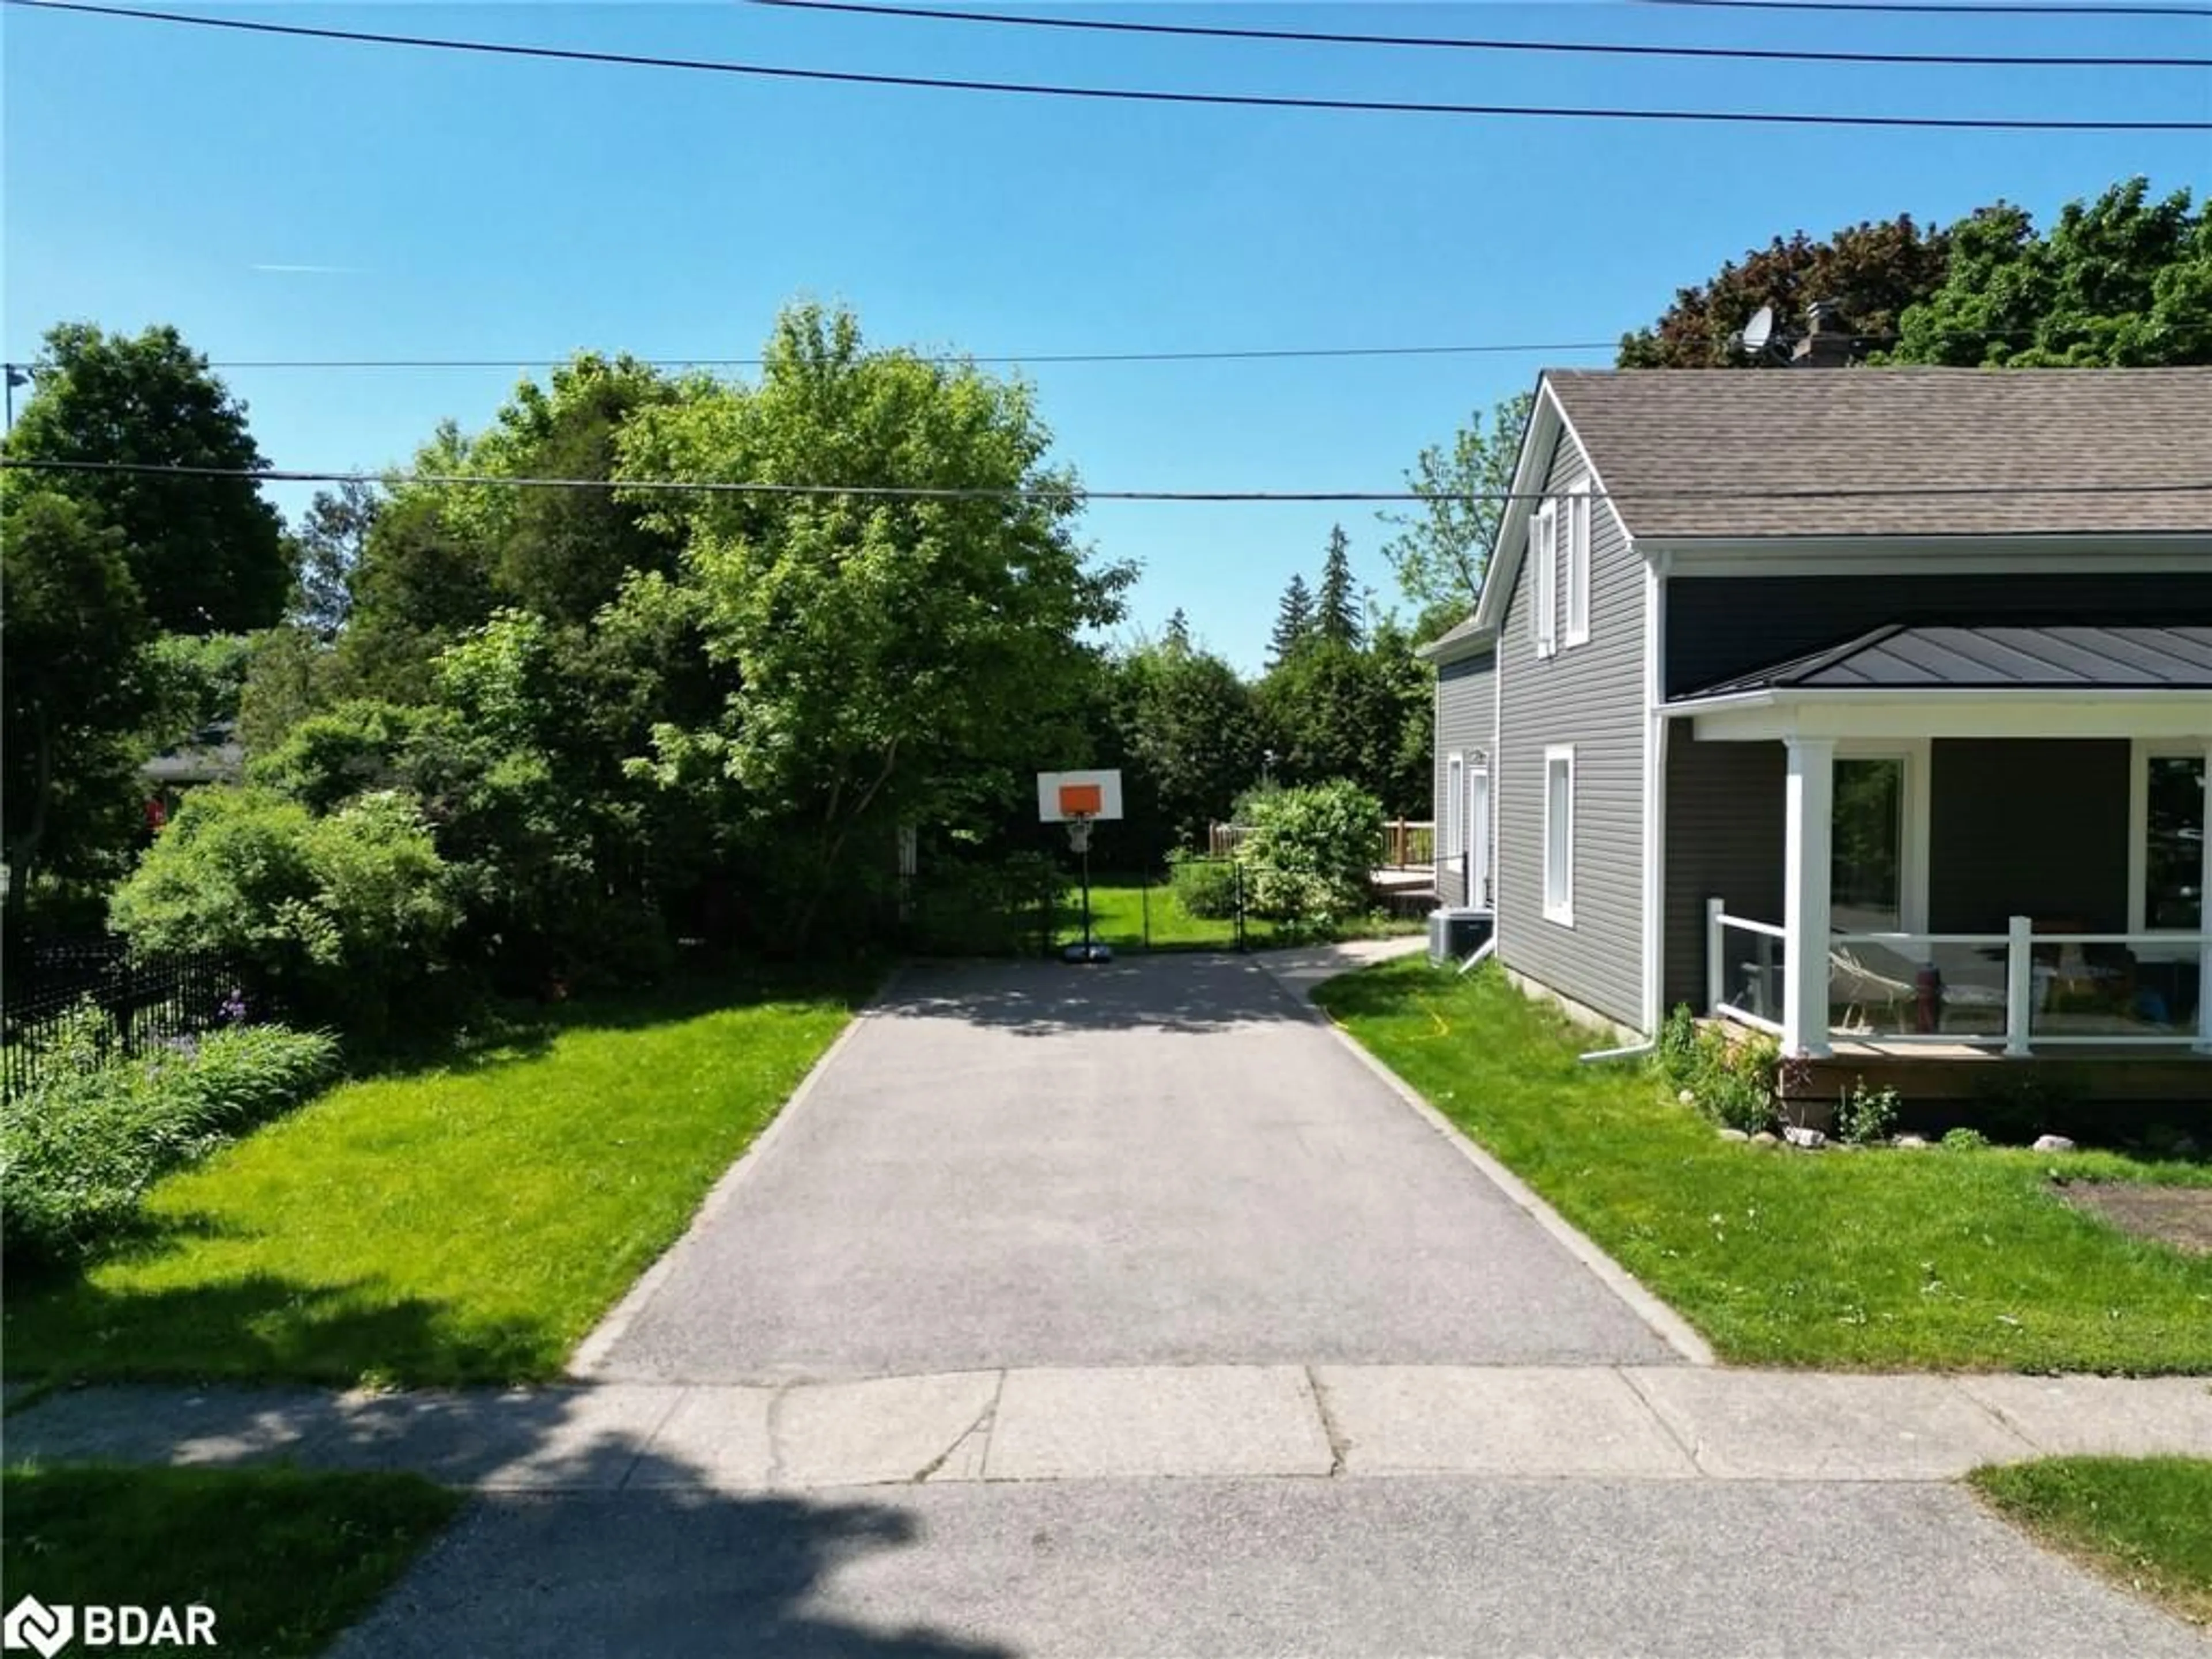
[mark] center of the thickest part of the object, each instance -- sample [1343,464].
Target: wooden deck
[1926,1072]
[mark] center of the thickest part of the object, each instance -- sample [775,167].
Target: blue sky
[455,206]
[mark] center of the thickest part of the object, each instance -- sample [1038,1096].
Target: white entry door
[1478,835]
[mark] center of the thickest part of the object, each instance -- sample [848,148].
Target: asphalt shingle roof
[1999,657]
[1743,433]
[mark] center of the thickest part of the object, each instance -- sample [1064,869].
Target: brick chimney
[1826,342]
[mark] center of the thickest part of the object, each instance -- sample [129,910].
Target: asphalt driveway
[1163,1161]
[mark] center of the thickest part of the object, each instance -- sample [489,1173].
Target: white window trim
[1477,834]
[1454,826]
[1918,827]
[1544,578]
[1563,911]
[1578,562]
[2142,752]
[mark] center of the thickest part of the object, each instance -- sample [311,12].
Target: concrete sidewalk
[1561,1423]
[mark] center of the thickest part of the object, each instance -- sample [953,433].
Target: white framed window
[2166,827]
[1578,562]
[1455,828]
[1544,577]
[1559,835]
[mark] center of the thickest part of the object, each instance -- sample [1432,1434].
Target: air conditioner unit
[1456,933]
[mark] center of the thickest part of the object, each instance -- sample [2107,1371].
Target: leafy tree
[1443,549]
[1188,735]
[884,660]
[290,673]
[207,553]
[329,542]
[1336,607]
[422,581]
[1294,622]
[1873,271]
[1337,712]
[196,681]
[2123,282]
[77,689]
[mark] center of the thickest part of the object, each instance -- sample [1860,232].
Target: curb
[1669,1326]
[584,1363]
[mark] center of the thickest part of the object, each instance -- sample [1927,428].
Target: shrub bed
[79,1148]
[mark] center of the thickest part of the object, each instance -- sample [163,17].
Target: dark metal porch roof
[2058,659]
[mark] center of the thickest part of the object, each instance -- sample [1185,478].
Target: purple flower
[233,1007]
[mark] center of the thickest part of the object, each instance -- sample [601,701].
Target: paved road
[1231,1568]
[1159,1162]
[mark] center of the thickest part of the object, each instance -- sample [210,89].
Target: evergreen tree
[1336,610]
[1178,635]
[1294,623]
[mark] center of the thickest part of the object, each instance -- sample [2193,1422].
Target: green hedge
[79,1148]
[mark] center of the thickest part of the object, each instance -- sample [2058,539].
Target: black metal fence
[148,998]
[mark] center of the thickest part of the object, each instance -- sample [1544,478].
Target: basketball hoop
[1081,800]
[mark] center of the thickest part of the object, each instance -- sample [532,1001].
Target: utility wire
[1313,37]
[1938,9]
[31,368]
[1120,94]
[1074,492]
[949,358]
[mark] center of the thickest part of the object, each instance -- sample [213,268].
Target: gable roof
[2002,658]
[1695,453]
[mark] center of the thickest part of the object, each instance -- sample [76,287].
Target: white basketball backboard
[1063,795]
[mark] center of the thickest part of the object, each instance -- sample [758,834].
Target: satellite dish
[1758,331]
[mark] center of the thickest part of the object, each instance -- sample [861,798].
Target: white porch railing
[1743,969]
[2020,991]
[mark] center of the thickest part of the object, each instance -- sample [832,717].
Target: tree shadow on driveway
[1184,992]
[667,1566]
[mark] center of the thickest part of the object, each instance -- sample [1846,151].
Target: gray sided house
[1870,707]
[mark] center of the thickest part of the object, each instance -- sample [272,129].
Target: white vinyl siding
[1559,835]
[1544,577]
[1578,562]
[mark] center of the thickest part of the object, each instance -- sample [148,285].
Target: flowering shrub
[1311,852]
[1730,1079]
[333,915]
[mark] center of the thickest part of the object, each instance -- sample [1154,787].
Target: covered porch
[1982,846]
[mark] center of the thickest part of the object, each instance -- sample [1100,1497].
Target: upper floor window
[1578,562]
[1544,577]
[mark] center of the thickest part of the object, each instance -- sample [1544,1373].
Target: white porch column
[1809,827]
[2204,918]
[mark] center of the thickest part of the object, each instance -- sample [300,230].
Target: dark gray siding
[1725,824]
[1467,719]
[1719,627]
[2033,827]
[1590,695]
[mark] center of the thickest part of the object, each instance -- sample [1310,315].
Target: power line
[1934,7]
[949,358]
[1314,37]
[1120,94]
[30,369]
[1075,492]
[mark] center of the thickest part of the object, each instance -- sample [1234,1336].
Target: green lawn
[1843,1259]
[1125,915]
[284,1559]
[2144,1522]
[467,1222]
